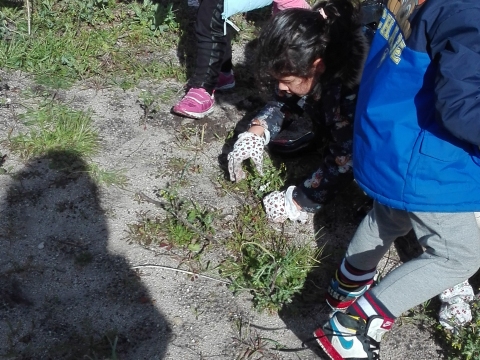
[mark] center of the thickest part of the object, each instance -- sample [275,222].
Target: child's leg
[452,243]
[212,45]
[375,235]
[372,240]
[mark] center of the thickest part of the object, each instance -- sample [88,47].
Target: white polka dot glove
[455,311]
[279,206]
[248,146]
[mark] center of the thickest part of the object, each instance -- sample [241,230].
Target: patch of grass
[56,128]
[65,136]
[77,40]
[265,262]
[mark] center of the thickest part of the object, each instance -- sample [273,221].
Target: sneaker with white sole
[346,336]
[226,80]
[196,104]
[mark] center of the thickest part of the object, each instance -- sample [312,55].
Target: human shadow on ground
[63,293]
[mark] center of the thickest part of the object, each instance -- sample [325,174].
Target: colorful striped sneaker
[196,104]
[339,299]
[350,337]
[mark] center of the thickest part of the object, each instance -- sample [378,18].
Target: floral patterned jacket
[332,116]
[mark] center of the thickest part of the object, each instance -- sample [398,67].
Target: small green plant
[424,314]
[273,179]
[146,101]
[146,231]
[264,262]
[255,184]
[187,225]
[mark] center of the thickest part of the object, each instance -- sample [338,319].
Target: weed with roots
[265,262]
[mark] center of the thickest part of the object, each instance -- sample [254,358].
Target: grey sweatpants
[452,255]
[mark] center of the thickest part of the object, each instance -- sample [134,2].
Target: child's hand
[279,206]
[248,146]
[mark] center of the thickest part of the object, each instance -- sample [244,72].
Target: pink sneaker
[196,103]
[225,81]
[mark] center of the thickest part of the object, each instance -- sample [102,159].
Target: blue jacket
[417,126]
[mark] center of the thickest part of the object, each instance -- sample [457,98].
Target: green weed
[255,185]
[265,262]
[146,231]
[273,179]
[187,225]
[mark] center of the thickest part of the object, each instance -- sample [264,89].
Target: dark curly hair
[294,38]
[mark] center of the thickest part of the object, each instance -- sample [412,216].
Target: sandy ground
[70,280]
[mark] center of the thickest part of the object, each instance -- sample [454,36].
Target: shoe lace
[373,350]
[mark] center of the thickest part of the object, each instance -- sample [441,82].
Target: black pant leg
[213,46]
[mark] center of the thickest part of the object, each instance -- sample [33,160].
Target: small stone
[41,245]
